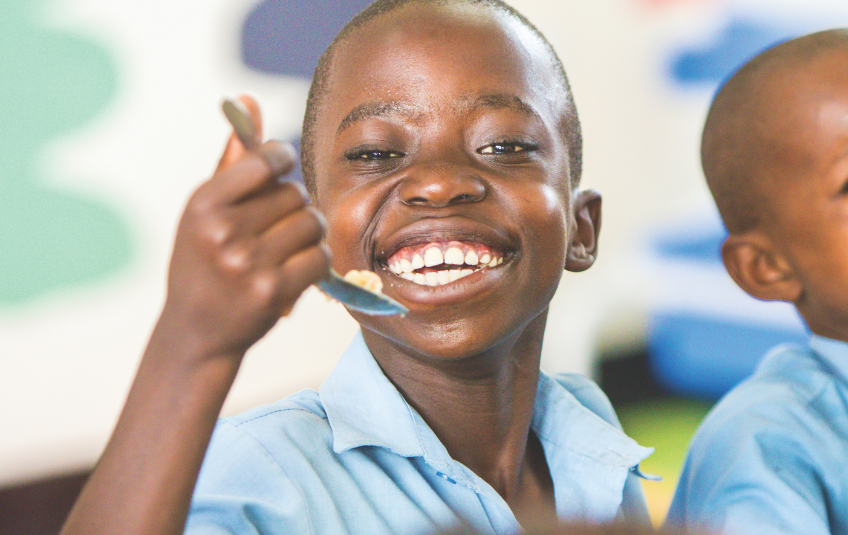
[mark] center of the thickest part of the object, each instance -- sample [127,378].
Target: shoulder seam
[274,460]
[263,415]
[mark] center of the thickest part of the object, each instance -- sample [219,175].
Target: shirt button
[440,474]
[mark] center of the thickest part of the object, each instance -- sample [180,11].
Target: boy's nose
[441,188]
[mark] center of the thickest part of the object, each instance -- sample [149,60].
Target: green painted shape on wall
[50,84]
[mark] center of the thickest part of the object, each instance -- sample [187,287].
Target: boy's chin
[450,339]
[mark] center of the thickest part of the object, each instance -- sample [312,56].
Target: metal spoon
[349,294]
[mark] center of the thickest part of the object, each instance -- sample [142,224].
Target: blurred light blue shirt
[355,457]
[772,456]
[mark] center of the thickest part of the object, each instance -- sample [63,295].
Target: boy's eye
[507,147]
[366,154]
[500,148]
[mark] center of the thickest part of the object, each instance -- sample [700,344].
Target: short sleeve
[243,490]
[752,470]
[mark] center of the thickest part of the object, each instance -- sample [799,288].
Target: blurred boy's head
[442,145]
[775,155]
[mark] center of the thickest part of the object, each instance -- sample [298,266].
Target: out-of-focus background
[110,118]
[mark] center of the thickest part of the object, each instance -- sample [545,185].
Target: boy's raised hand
[247,246]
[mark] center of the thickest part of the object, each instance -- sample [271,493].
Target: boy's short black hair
[379,8]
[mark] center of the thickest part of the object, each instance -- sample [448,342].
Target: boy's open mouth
[440,263]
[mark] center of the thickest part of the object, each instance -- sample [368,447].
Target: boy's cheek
[347,224]
[547,211]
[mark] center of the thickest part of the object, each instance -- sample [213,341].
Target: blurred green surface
[51,83]
[666,424]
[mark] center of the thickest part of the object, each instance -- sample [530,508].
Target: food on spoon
[365,279]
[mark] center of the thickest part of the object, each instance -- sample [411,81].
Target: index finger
[252,173]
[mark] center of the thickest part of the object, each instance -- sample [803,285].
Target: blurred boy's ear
[586,224]
[759,268]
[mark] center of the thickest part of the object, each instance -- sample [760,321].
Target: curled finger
[299,272]
[303,229]
[252,173]
[258,213]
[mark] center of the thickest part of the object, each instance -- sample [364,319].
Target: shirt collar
[590,457]
[364,408]
[562,421]
[833,352]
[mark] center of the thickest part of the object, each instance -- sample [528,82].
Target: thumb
[234,149]
[255,113]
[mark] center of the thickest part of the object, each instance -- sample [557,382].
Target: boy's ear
[585,226]
[759,268]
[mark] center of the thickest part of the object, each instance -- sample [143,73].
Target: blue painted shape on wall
[692,353]
[704,248]
[702,356]
[739,41]
[296,174]
[287,36]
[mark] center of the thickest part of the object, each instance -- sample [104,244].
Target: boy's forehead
[434,65]
[789,104]
[420,20]
[407,42]
[814,100]
[800,119]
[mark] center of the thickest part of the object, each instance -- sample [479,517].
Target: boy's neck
[481,407]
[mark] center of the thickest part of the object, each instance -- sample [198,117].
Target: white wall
[68,356]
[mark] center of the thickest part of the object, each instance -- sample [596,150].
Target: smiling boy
[771,456]
[442,147]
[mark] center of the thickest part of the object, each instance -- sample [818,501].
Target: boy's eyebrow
[502,100]
[369,110]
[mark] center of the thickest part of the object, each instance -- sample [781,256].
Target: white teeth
[438,278]
[454,256]
[433,257]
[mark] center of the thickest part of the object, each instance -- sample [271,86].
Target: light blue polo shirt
[355,457]
[772,457]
